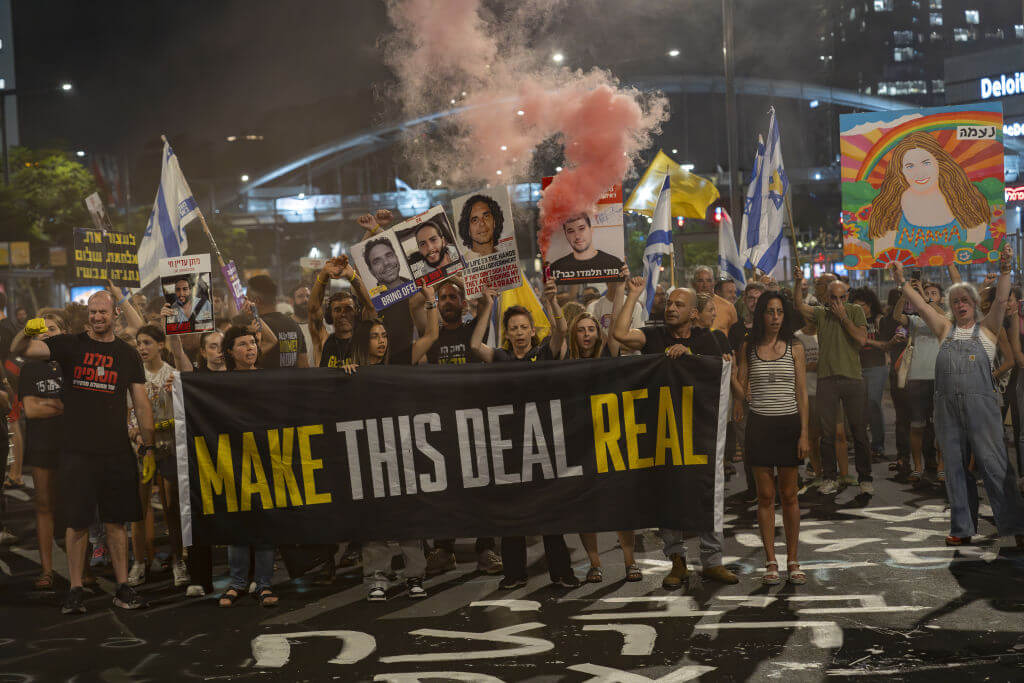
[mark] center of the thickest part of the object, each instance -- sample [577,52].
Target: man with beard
[290,351]
[434,249]
[300,314]
[679,336]
[453,348]
[584,255]
[334,350]
[183,309]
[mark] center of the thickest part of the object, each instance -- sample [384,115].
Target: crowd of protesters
[89,396]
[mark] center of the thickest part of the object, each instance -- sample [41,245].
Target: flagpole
[792,229]
[202,220]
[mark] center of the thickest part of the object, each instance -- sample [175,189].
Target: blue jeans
[238,565]
[710,546]
[874,382]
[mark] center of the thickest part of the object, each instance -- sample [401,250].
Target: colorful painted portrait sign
[923,186]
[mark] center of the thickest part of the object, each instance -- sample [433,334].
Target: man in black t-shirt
[584,255]
[678,337]
[98,467]
[291,343]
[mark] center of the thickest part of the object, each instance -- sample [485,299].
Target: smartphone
[915,275]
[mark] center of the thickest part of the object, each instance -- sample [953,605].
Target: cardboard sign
[382,266]
[923,186]
[428,244]
[486,238]
[20,254]
[589,247]
[185,282]
[106,255]
[230,273]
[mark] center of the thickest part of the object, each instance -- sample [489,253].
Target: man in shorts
[98,467]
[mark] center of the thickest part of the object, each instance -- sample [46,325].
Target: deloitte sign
[1006,84]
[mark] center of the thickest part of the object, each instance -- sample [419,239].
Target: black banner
[104,254]
[317,456]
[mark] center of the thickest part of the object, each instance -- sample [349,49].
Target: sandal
[228,597]
[10,483]
[633,573]
[595,575]
[771,576]
[266,598]
[44,582]
[956,541]
[795,575]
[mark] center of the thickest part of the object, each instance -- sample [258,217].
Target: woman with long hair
[773,377]
[149,341]
[924,192]
[209,359]
[967,417]
[371,346]
[873,366]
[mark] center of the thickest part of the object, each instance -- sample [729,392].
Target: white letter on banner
[535,447]
[500,445]
[466,448]
[439,481]
[408,465]
[558,436]
[986,88]
[383,455]
[350,429]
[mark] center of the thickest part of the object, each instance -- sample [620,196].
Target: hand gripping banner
[317,456]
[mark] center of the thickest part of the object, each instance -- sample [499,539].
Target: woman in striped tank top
[773,377]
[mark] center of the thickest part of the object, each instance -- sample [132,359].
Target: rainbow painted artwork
[922,186]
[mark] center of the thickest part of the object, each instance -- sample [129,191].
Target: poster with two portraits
[186,285]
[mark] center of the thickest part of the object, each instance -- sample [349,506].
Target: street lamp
[673,53]
[558,58]
[66,86]
[245,177]
[80,153]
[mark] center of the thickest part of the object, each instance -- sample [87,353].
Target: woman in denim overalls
[967,416]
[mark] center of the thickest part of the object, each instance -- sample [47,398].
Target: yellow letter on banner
[689,458]
[310,465]
[254,480]
[668,432]
[218,480]
[606,438]
[285,485]
[633,429]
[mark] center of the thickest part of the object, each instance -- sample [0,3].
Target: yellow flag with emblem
[691,194]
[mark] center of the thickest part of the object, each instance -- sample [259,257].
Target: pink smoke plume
[512,103]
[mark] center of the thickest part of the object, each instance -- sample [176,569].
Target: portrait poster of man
[382,266]
[589,247]
[923,186]
[487,240]
[428,243]
[185,282]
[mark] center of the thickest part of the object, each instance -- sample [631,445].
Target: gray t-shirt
[926,348]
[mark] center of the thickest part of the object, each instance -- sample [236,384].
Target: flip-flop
[44,582]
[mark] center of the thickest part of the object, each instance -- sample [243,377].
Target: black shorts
[167,466]
[921,395]
[47,458]
[109,481]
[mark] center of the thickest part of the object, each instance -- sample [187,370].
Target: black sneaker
[74,603]
[128,598]
[568,582]
[509,583]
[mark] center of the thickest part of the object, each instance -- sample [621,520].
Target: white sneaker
[137,574]
[376,594]
[195,591]
[828,487]
[180,572]
[867,488]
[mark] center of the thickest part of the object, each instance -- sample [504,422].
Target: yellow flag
[524,296]
[691,194]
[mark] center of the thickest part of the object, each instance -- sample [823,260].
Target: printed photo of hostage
[589,247]
[383,268]
[185,283]
[487,241]
[428,243]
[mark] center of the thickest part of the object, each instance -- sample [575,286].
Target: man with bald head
[842,331]
[97,463]
[725,312]
[677,337]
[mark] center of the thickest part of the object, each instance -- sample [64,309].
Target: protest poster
[382,266]
[102,255]
[487,241]
[428,244]
[589,247]
[230,273]
[922,186]
[185,282]
[479,450]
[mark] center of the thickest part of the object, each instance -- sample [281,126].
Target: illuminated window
[935,35]
[938,86]
[853,13]
[935,18]
[961,35]
[903,54]
[894,88]
[935,4]
[883,5]
[1018,30]
[903,37]
[971,16]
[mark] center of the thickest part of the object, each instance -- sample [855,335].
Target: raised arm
[132,317]
[1006,351]
[994,320]
[27,346]
[632,339]
[554,313]
[433,324]
[317,327]
[897,314]
[618,301]
[483,320]
[802,306]
[182,363]
[937,322]
[954,274]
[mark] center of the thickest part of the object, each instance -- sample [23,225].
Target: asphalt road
[885,600]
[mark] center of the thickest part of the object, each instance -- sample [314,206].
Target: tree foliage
[44,200]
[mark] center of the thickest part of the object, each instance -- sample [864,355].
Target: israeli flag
[729,260]
[763,210]
[173,208]
[659,242]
